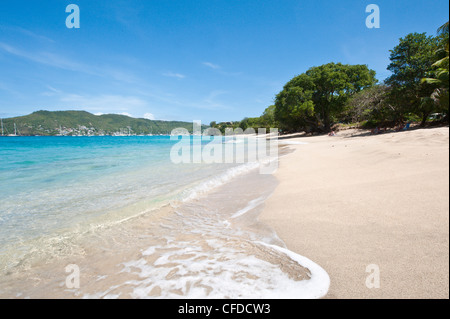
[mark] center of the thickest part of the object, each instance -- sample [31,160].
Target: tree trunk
[424,120]
[327,124]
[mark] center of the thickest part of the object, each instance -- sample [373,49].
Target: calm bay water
[50,184]
[139,225]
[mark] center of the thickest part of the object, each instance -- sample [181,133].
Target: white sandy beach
[347,202]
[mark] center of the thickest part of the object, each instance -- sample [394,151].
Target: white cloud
[104,103]
[149,116]
[174,75]
[126,114]
[47,58]
[26,32]
[208,102]
[51,91]
[121,113]
[211,65]
[64,63]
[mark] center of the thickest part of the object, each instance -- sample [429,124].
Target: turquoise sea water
[52,184]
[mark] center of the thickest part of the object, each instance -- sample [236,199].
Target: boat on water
[4,128]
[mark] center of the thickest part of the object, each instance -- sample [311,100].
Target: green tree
[294,108]
[244,124]
[267,119]
[411,61]
[443,29]
[317,98]
[439,75]
[371,104]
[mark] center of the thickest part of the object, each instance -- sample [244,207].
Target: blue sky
[187,60]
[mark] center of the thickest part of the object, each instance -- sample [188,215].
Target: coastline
[206,247]
[347,202]
[343,202]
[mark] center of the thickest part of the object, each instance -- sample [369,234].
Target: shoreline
[187,250]
[343,202]
[348,202]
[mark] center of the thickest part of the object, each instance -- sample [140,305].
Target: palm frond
[443,29]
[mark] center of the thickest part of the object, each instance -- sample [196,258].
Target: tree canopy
[315,98]
[439,75]
[411,61]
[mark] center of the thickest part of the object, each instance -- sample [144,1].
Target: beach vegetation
[411,60]
[369,105]
[439,75]
[266,120]
[316,99]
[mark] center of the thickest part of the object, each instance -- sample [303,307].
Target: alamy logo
[236,146]
[373,19]
[73,279]
[373,279]
[73,20]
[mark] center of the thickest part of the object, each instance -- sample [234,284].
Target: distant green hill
[47,123]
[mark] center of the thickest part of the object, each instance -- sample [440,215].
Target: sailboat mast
[15,129]
[1,120]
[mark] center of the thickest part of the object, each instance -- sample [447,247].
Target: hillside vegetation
[83,123]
